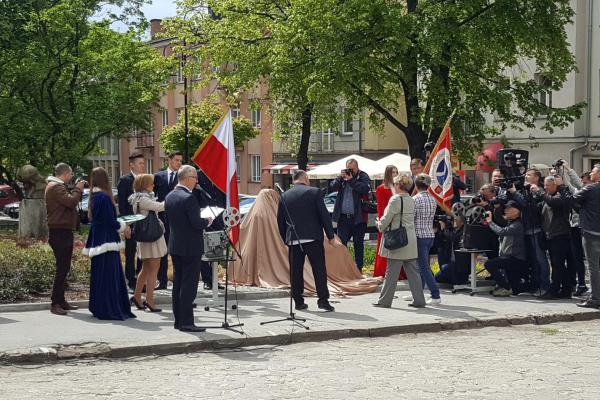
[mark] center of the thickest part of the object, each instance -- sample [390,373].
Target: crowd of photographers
[538,232]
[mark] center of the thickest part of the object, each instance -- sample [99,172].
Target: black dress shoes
[302,306]
[327,307]
[207,286]
[588,304]
[191,328]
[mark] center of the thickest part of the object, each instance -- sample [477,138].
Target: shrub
[28,268]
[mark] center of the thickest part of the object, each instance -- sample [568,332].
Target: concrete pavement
[37,336]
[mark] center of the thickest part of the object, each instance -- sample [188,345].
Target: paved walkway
[39,335]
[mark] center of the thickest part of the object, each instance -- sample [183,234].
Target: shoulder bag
[396,238]
[148,229]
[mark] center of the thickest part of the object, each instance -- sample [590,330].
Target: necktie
[170,177]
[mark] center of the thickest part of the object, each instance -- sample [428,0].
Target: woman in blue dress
[108,291]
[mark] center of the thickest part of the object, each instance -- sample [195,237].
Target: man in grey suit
[310,217]
[186,246]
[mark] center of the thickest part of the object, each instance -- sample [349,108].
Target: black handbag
[396,238]
[148,229]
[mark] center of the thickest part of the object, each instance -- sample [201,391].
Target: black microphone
[279,188]
[202,191]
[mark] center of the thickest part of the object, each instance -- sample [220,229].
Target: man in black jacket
[137,165]
[164,182]
[186,246]
[352,185]
[587,203]
[310,217]
[556,210]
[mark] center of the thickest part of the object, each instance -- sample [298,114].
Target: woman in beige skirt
[143,201]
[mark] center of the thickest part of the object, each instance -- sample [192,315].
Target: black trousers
[316,255]
[164,261]
[131,270]
[186,275]
[575,262]
[61,242]
[507,271]
[560,250]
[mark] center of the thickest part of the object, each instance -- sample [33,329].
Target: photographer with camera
[535,241]
[61,208]
[352,185]
[511,264]
[555,223]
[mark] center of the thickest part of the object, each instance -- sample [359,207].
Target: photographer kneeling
[511,265]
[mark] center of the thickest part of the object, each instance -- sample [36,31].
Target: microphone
[202,191]
[279,188]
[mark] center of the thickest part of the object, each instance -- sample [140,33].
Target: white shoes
[432,301]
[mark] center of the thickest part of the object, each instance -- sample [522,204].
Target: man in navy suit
[186,246]
[310,217]
[164,182]
[137,165]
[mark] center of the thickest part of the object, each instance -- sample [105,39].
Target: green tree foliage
[425,57]
[66,81]
[202,117]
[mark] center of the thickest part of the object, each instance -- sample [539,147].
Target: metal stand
[214,301]
[292,317]
[472,286]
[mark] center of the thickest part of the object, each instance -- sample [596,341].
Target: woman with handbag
[399,244]
[149,234]
[383,193]
[108,290]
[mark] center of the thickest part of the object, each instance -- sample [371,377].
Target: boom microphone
[279,188]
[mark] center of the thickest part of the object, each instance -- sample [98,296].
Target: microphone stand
[290,224]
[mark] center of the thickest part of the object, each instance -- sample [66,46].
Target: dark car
[83,204]
[7,196]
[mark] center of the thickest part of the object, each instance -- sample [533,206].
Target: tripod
[291,227]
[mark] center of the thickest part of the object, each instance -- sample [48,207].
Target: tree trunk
[302,157]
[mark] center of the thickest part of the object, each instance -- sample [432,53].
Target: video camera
[513,164]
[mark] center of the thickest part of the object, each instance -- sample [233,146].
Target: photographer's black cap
[512,204]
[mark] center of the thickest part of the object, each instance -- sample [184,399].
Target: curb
[103,350]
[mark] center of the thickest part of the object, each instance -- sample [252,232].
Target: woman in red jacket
[383,194]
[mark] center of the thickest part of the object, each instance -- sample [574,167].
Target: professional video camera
[513,164]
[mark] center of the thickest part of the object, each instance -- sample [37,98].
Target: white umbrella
[332,170]
[399,160]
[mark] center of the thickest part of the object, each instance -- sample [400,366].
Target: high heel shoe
[134,302]
[152,309]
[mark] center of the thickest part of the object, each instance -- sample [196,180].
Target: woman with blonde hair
[108,291]
[400,212]
[144,202]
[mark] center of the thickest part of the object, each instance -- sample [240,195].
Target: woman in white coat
[143,201]
[401,207]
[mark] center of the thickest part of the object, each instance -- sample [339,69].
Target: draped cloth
[265,257]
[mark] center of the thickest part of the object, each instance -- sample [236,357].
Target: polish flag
[216,158]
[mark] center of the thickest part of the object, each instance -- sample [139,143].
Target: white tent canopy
[399,160]
[332,170]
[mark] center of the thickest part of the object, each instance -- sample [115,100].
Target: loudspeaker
[478,237]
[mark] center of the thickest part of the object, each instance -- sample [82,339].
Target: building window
[348,126]
[327,140]
[178,114]
[235,112]
[238,171]
[545,94]
[255,117]
[255,168]
[180,72]
[165,118]
[149,166]
[134,131]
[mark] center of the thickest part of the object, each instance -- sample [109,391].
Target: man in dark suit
[137,165]
[310,217]
[164,182]
[186,246]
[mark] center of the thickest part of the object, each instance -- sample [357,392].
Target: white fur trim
[104,248]
[122,227]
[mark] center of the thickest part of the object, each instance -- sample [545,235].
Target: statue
[32,209]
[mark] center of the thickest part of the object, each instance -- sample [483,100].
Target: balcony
[143,140]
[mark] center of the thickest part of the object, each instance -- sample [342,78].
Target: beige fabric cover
[265,256]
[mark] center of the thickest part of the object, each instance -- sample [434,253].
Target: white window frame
[149,166]
[235,112]
[180,72]
[255,117]
[542,97]
[327,140]
[255,168]
[165,118]
[344,122]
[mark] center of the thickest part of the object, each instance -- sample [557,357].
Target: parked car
[83,204]
[330,203]
[7,196]
[12,210]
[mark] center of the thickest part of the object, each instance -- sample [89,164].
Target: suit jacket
[161,184]
[124,190]
[308,213]
[186,227]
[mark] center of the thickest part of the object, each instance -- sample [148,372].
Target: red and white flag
[216,158]
[439,168]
